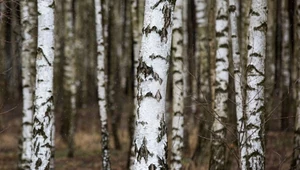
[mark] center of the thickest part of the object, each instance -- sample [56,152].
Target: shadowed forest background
[281,83]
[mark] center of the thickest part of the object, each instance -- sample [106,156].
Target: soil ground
[88,154]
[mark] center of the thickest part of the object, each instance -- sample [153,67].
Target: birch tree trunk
[296,151]
[150,135]
[2,56]
[43,117]
[201,53]
[255,158]
[69,76]
[137,13]
[186,74]
[270,59]
[233,17]
[178,103]
[218,149]
[14,74]
[115,54]
[101,77]
[28,21]
[202,47]
[285,58]
[127,47]
[59,58]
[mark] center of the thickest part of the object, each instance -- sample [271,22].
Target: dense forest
[150,84]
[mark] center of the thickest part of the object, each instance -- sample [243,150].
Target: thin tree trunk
[150,135]
[212,53]
[127,47]
[255,158]
[186,75]
[178,102]
[28,53]
[101,77]
[244,25]
[285,70]
[194,63]
[218,149]
[202,46]
[2,57]
[43,118]
[114,60]
[236,55]
[59,56]
[296,151]
[270,59]
[81,51]
[15,52]
[69,76]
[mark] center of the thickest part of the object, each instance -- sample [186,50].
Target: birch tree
[101,77]
[43,117]
[270,59]
[201,54]
[13,57]
[28,21]
[234,33]
[285,58]
[296,151]
[150,135]
[2,56]
[69,76]
[137,13]
[255,74]
[114,76]
[178,104]
[217,160]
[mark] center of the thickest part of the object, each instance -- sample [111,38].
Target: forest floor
[88,150]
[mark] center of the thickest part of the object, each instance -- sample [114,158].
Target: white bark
[70,74]
[28,21]
[255,85]
[101,77]
[222,79]
[43,113]
[137,14]
[233,16]
[296,154]
[150,134]
[178,104]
